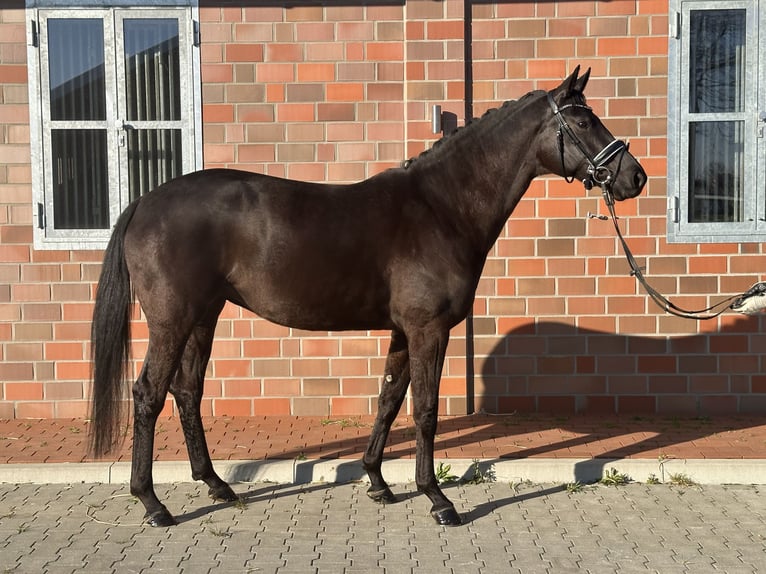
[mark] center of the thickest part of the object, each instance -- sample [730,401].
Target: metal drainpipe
[470,386]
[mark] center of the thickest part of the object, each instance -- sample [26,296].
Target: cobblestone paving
[329,528]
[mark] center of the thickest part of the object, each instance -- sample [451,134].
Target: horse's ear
[570,84]
[582,81]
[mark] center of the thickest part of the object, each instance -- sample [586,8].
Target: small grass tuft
[613,478]
[444,474]
[574,487]
[681,479]
[219,532]
[479,475]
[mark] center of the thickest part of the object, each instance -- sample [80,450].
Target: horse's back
[308,255]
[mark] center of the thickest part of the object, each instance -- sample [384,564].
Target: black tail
[110,341]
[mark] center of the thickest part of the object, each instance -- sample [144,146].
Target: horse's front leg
[395,382]
[187,389]
[427,350]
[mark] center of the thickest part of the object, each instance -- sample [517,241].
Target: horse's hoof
[383,495]
[447,517]
[224,493]
[160,518]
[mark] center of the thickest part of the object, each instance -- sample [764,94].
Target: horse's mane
[508,105]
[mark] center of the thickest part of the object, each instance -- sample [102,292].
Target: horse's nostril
[639,179]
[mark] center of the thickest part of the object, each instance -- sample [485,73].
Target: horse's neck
[483,175]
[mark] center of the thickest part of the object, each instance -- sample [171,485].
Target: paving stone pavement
[333,528]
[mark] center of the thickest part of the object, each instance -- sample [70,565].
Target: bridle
[599,173]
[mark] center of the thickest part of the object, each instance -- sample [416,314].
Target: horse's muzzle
[629,181]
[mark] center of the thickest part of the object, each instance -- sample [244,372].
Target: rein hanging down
[663,302]
[750,302]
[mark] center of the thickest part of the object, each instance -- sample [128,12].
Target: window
[116,89]
[716,121]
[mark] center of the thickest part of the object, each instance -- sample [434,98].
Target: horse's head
[580,147]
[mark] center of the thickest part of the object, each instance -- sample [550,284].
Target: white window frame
[753,227]
[112,12]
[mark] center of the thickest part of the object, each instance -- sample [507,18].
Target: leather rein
[599,173]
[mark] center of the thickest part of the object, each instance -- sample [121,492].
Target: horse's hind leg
[187,389]
[149,393]
[395,383]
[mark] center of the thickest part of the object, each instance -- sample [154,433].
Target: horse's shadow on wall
[558,368]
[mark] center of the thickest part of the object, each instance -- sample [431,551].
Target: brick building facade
[312,91]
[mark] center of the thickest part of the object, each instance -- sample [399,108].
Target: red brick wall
[341,93]
[322,94]
[561,326]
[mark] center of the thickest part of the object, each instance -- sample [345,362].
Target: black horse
[403,251]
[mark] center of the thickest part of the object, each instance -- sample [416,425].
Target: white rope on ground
[104,522]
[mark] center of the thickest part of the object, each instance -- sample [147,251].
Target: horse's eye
[582,124]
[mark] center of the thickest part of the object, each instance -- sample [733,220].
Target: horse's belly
[316,305]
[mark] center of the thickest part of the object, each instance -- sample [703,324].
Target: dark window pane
[716,171]
[717,61]
[76,69]
[80,181]
[152,75]
[154,157]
